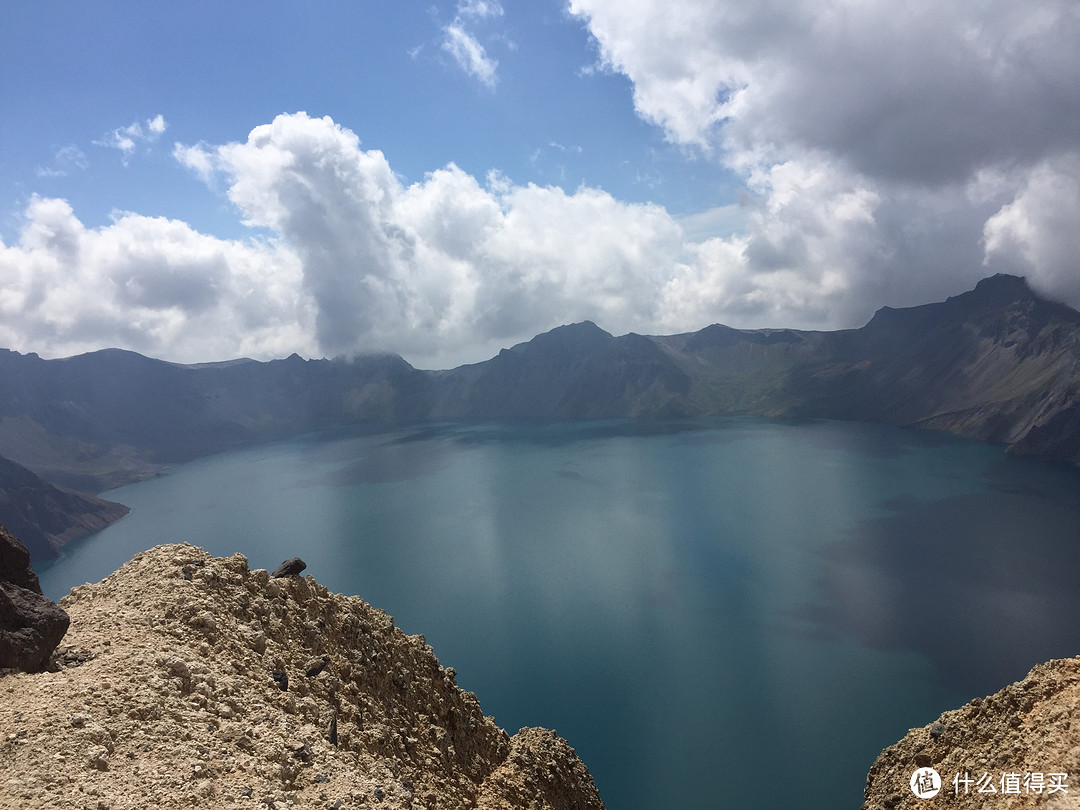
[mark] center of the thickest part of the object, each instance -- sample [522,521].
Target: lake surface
[716,613]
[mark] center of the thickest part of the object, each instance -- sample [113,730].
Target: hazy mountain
[997,363]
[106,418]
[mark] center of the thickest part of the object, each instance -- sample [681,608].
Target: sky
[201,181]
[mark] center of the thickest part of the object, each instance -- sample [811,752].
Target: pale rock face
[1022,742]
[166,693]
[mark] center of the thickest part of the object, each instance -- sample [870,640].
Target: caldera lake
[727,613]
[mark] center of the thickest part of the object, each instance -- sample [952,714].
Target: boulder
[290,568]
[15,562]
[30,625]
[30,628]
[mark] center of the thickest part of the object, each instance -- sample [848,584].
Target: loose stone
[290,568]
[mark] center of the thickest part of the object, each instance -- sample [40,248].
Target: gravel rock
[1028,728]
[170,705]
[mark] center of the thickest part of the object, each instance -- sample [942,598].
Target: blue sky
[216,70]
[205,180]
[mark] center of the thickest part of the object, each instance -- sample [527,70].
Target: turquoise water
[727,613]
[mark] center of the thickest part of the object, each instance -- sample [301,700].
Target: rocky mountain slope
[45,516]
[192,681]
[997,363]
[1018,748]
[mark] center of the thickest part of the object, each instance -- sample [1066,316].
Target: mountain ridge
[997,363]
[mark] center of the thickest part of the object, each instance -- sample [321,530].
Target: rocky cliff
[192,681]
[1018,748]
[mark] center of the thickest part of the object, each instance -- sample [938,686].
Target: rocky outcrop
[208,684]
[1018,748]
[31,626]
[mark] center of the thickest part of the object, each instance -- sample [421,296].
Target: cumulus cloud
[451,268]
[915,90]
[149,284]
[445,270]
[448,268]
[889,155]
[197,158]
[126,139]
[1037,232]
[886,144]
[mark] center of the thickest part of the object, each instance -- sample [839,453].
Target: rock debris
[1003,750]
[173,702]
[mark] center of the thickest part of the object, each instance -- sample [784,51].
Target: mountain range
[998,363]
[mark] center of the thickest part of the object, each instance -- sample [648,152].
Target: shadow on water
[556,434]
[872,440]
[984,584]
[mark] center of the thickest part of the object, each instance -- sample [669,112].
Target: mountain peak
[586,329]
[1003,281]
[571,337]
[991,297]
[1001,288]
[1002,292]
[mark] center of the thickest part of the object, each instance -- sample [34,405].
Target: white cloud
[67,159]
[451,268]
[480,9]
[878,139]
[126,139]
[459,40]
[469,54]
[448,270]
[1037,232]
[197,158]
[156,126]
[919,90]
[444,270]
[149,284]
